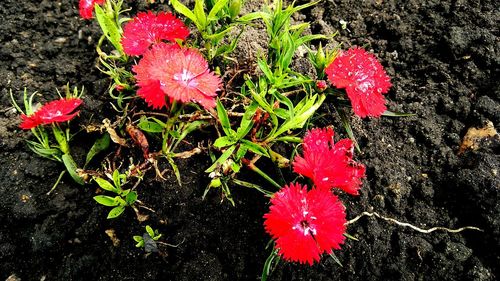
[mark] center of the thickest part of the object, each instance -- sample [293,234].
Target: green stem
[254,168]
[175,112]
[251,185]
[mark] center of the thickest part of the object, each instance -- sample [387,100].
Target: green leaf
[60,137]
[106,200]
[218,36]
[199,12]
[221,159]
[182,9]
[106,185]
[100,144]
[252,16]
[150,126]
[150,231]
[224,119]
[188,128]
[109,28]
[71,167]
[212,15]
[255,148]
[137,238]
[131,197]
[304,110]
[241,152]
[247,122]
[140,244]
[224,141]
[115,212]
[175,169]
[285,100]
[268,265]
[347,126]
[265,68]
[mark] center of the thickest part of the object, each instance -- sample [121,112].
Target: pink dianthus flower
[53,112]
[364,79]
[329,164]
[304,223]
[147,29]
[181,74]
[87,7]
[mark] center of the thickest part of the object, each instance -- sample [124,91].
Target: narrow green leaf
[224,141]
[269,264]
[221,159]
[282,113]
[265,68]
[106,185]
[182,9]
[109,28]
[115,212]
[150,126]
[224,119]
[252,16]
[218,36]
[240,153]
[255,148]
[247,122]
[212,15]
[347,126]
[60,137]
[137,238]
[199,12]
[189,127]
[106,200]
[285,100]
[71,167]
[100,144]
[175,169]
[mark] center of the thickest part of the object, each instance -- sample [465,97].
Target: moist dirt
[443,57]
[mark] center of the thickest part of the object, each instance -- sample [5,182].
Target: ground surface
[443,57]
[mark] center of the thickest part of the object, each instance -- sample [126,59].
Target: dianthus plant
[49,124]
[166,82]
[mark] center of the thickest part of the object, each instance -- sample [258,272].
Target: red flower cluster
[305,223]
[329,165]
[87,7]
[53,112]
[364,79]
[147,29]
[182,74]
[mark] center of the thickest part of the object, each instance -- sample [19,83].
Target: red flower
[364,79]
[327,164]
[87,7]
[305,224]
[53,112]
[182,74]
[147,28]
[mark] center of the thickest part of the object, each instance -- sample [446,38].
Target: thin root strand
[405,224]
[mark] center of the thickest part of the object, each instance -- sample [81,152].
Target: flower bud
[321,85]
[234,8]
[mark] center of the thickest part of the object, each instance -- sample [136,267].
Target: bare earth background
[443,57]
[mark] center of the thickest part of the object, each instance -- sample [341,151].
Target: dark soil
[443,57]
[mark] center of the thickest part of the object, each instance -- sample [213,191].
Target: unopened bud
[321,85]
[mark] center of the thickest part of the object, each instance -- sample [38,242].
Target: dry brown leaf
[474,136]
[112,235]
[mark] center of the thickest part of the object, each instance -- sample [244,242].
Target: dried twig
[405,224]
